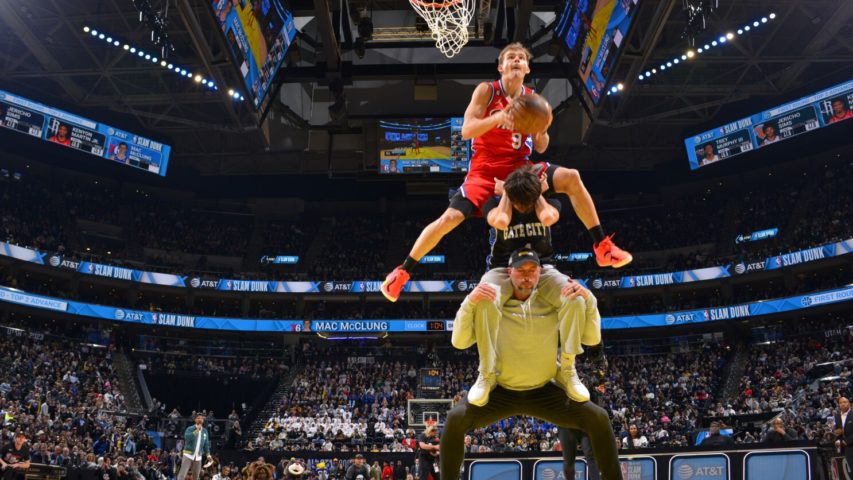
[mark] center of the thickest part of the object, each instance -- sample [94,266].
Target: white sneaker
[478,395]
[568,377]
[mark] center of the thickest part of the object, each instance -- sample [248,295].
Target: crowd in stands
[799,371]
[41,213]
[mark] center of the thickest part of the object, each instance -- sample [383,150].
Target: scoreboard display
[56,126]
[806,114]
[423,145]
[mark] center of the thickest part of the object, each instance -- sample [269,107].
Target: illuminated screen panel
[606,29]
[761,130]
[73,131]
[258,33]
[422,145]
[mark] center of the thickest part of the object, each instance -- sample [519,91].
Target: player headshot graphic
[120,153]
[61,135]
[771,135]
[708,155]
[392,166]
[840,111]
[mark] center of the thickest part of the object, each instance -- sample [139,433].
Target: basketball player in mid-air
[498,150]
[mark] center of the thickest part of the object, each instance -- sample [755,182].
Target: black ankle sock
[409,264]
[597,234]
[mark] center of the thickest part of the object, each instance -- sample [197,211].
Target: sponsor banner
[572,257]
[756,236]
[21,253]
[495,470]
[280,259]
[553,470]
[10,295]
[638,468]
[445,286]
[432,259]
[696,467]
[783,465]
[731,312]
[809,255]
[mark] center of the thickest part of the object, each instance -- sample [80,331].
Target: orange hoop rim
[435,5]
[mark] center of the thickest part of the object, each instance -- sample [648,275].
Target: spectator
[715,439]
[634,439]
[778,433]
[358,470]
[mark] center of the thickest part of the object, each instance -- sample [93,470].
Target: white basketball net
[448,22]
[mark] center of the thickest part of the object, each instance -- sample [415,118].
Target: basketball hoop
[448,22]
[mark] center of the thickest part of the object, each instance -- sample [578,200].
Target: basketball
[531,114]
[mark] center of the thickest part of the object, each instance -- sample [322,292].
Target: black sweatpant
[569,440]
[548,403]
[428,469]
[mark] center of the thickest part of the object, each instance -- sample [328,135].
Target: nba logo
[154,317]
[706,314]
[228,284]
[90,268]
[632,281]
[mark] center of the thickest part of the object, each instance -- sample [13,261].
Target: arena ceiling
[45,53]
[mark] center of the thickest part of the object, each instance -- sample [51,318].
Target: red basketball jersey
[500,149]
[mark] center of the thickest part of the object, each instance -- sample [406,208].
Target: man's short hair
[523,188]
[20,434]
[514,46]
[768,124]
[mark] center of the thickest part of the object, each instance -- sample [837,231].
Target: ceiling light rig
[717,41]
[162,62]
[692,53]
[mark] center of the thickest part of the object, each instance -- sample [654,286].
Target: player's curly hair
[523,188]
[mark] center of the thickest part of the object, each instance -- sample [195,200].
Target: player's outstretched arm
[546,213]
[500,216]
[541,141]
[476,121]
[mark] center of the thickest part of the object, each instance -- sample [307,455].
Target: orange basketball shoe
[607,254]
[394,283]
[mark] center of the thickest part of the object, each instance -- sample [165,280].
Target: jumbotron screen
[824,108]
[73,131]
[422,145]
[258,33]
[605,29]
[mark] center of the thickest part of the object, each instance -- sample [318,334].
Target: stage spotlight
[668,64]
[663,67]
[714,43]
[231,92]
[642,77]
[699,50]
[707,47]
[746,28]
[147,57]
[116,43]
[730,36]
[722,39]
[162,63]
[109,39]
[675,61]
[763,19]
[210,83]
[691,54]
[183,72]
[140,53]
[755,23]
[740,31]
[654,70]
[86,29]
[684,57]
[620,86]
[613,89]
[772,16]
[197,79]
[101,36]
[94,33]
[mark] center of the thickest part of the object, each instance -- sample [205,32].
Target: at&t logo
[685,472]
[328,286]
[195,282]
[119,314]
[54,261]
